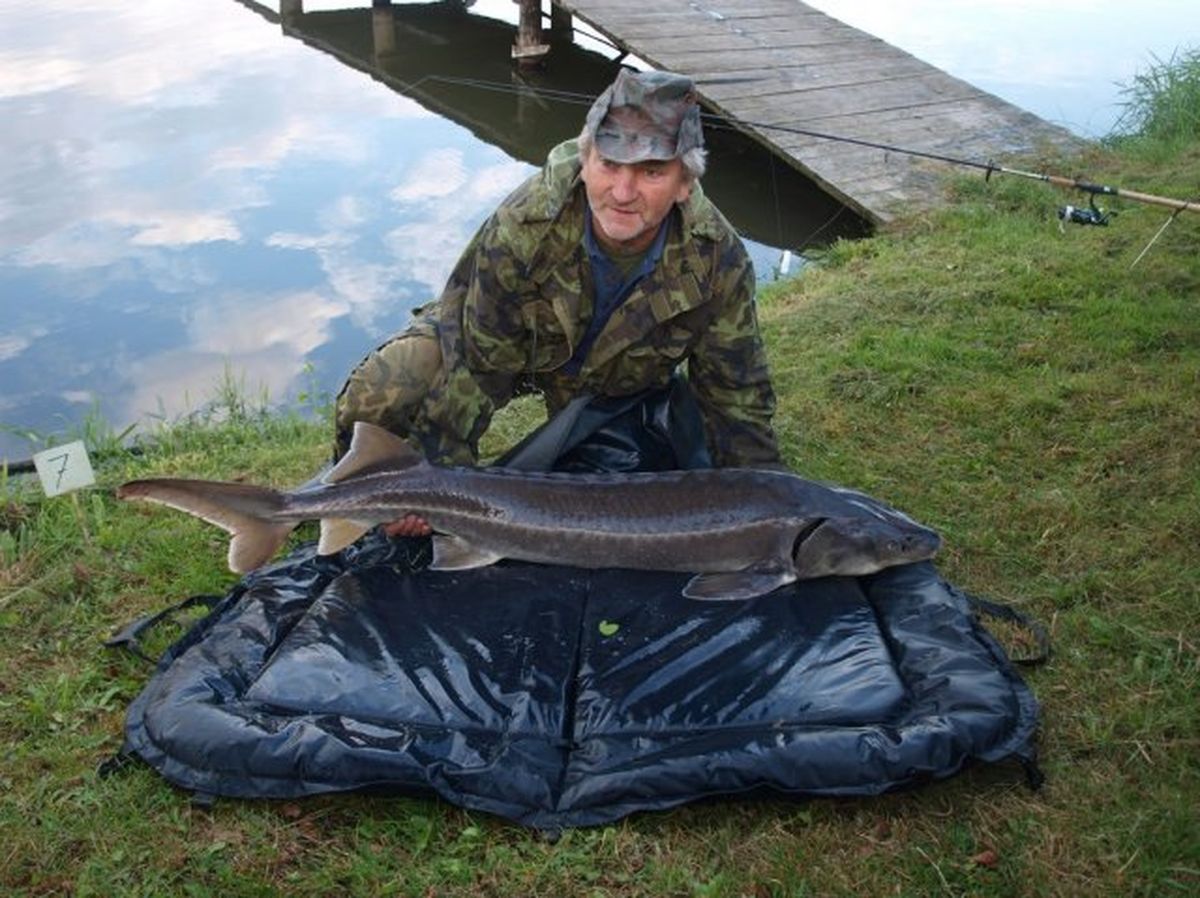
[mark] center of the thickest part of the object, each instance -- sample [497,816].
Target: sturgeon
[742,532]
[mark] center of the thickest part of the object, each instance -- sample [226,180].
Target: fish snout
[918,545]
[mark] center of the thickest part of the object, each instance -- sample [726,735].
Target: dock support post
[383,27]
[290,10]
[529,51]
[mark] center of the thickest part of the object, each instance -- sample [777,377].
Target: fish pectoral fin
[452,553]
[735,586]
[337,533]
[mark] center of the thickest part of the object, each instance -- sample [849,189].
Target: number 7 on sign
[64,468]
[64,458]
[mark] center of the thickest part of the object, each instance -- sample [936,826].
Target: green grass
[1017,386]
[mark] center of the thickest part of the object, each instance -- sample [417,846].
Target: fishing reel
[1089,216]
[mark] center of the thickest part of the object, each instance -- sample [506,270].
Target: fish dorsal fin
[373,449]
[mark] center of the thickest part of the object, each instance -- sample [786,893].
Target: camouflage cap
[646,115]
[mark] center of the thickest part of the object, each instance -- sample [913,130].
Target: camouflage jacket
[520,298]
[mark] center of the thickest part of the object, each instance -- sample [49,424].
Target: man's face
[629,201]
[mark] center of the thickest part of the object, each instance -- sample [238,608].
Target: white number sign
[64,468]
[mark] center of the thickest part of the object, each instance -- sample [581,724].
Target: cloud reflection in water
[185,190]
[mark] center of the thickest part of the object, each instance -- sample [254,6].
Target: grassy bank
[1019,387]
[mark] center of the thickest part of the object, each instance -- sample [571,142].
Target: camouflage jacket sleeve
[728,368]
[482,340]
[488,317]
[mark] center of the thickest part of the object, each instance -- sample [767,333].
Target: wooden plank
[722,42]
[934,127]
[935,137]
[797,62]
[714,10]
[763,58]
[770,30]
[732,9]
[769,24]
[800,46]
[626,25]
[807,76]
[664,37]
[819,103]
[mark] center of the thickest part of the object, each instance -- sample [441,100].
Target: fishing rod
[990,168]
[1090,216]
[1099,189]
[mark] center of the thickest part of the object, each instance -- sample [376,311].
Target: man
[601,275]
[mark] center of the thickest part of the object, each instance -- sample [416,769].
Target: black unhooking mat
[560,697]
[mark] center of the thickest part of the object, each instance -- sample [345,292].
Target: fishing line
[989,168]
[775,194]
[785,260]
[583,99]
[1154,239]
[829,223]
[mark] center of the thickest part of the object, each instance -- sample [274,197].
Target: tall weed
[1162,103]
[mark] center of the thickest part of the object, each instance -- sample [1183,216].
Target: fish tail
[244,511]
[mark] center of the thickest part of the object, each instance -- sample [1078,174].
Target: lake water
[188,188]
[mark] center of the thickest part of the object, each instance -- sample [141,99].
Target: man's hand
[409,525]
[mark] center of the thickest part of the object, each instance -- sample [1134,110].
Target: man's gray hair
[694,160]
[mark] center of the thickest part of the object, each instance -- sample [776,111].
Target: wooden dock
[783,63]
